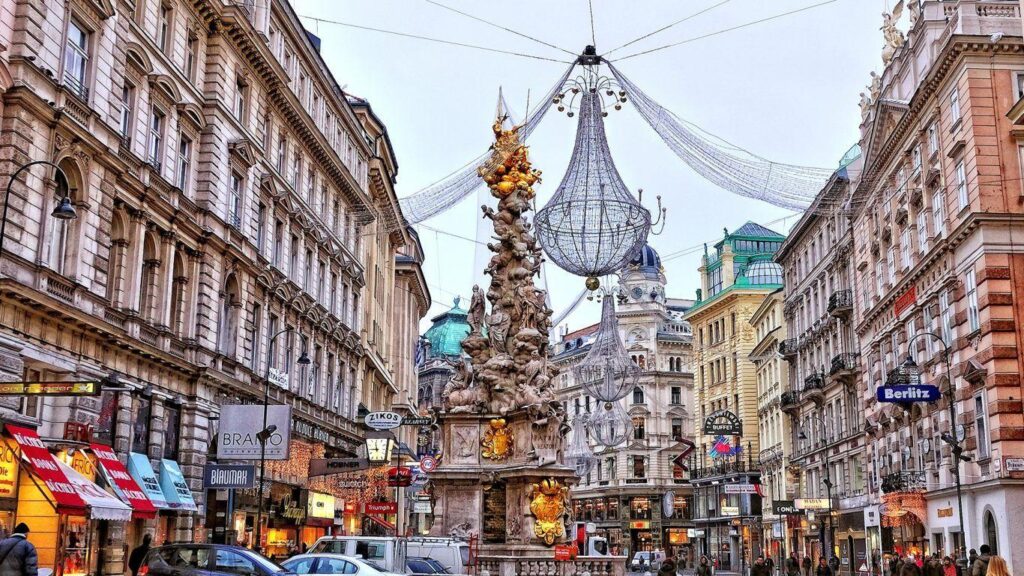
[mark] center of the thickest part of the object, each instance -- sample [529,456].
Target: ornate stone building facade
[623,494]
[937,209]
[225,189]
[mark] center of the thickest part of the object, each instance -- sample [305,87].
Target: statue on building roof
[894,38]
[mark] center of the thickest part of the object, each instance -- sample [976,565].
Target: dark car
[207,560]
[423,566]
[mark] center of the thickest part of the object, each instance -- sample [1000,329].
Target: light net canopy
[579,455]
[607,373]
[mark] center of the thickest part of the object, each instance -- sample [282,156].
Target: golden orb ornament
[593,283]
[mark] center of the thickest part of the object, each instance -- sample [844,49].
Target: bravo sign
[241,423]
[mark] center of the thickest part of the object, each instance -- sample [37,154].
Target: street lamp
[267,431]
[827,482]
[911,369]
[63,211]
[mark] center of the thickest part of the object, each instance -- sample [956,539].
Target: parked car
[387,552]
[207,560]
[333,564]
[425,566]
[450,553]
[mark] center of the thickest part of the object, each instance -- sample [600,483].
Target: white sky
[786,89]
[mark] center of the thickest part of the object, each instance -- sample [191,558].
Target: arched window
[231,303]
[63,241]
[180,281]
[991,534]
[638,395]
[117,271]
[148,277]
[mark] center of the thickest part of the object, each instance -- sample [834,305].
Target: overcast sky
[786,89]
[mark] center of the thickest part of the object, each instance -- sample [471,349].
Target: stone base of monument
[527,566]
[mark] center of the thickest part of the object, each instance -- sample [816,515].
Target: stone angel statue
[894,38]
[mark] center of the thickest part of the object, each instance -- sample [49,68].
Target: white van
[386,553]
[450,553]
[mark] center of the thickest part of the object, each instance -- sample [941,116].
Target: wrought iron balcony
[844,364]
[814,382]
[904,481]
[789,402]
[840,303]
[788,348]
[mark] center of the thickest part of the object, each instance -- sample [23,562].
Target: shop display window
[75,546]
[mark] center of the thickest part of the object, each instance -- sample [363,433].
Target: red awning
[44,465]
[124,485]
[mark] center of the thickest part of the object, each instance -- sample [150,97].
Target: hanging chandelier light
[607,373]
[593,225]
[610,425]
[579,456]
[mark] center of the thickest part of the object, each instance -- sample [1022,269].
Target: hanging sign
[225,476]
[785,508]
[908,393]
[422,507]
[278,378]
[730,510]
[400,477]
[381,508]
[723,423]
[87,388]
[428,464]
[383,420]
[325,466]
[740,489]
[417,421]
[320,505]
[811,503]
[721,447]
[668,504]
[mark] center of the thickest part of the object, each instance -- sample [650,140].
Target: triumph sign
[241,423]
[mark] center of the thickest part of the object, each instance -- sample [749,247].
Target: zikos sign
[383,420]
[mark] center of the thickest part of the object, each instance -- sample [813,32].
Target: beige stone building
[936,213]
[225,190]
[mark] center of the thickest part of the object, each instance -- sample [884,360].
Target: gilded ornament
[498,440]
[548,505]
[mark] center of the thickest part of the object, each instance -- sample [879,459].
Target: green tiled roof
[447,332]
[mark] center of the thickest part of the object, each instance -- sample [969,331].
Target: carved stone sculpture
[548,504]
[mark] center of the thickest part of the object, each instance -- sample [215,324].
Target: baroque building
[822,398]
[735,279]
[624,493]
[226,190]
[935,213]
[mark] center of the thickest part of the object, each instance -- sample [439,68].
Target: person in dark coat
[703,568]
[806,564]
[17,555]
[979,565]
[759,568]
[138,555]
[823,568]
[668,567]
[909,567]
[933,566]
[792,566]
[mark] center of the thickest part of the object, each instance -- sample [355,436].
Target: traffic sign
[428,464]
[908,393]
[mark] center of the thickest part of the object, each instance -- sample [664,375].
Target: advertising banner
[241,423]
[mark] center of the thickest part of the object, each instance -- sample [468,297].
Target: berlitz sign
[241,423]
[723,423]
[909,393]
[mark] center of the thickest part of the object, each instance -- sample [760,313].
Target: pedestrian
[997,567]
[138,555]
[933,567]
[17,555]
[823,568]
[759,568]
[703,567]
[909,567]
[948,566]
[895,565]
[979,566]
[806,565]
[770,564]
[792,566]
[668,567]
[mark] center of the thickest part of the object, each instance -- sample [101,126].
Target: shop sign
[316,433]
[8,471]
[320,505]
[1014,464]
[122,481]
[785,507]
[224,476]
[140,469]
[422,507]
[668,503]
[175,488]
[740,489]
[325,466]
[417,421]
[294,512]
[240,424]
[908,393]
[381,508]
[278,378]
[871,516]
[383,420]
[905,300]
[640,524]
[945,512]
[730,510]
[83,465]
[564,552]
[692,533]
[78,431]
[45,466]
[723,423]
[87,388]
[400,477]
[420,478]
[353,484]
[811,503]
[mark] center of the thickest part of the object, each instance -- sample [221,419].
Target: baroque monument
[502,476]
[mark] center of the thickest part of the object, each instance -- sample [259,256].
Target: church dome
[647,259]
[447,332]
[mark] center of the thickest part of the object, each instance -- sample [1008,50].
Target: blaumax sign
[910,393]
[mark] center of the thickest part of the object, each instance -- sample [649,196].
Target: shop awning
[102,505]
[46,468]
[175,488]
[124,485]
[142,471]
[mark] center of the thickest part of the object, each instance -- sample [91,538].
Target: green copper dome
[446,334]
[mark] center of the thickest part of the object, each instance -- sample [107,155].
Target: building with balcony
[226,190]
[773,424]
[935,213]
[624,492]
[823,398]
[735,279]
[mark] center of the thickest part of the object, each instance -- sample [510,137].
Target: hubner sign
[239,425]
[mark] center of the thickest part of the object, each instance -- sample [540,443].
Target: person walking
[948,567]
[909,567]
[806,564]
[792,565]
[17,555]
[823,568]
[667,568]
[138,555]
[997,567]
[933,566]
[760,568]
[770,564]
[979,566]
[703,567]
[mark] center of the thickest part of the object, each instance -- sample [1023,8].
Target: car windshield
[264,562]
[420,566]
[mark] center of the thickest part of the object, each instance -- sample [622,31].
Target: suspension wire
[730,29]
[437,40]
[499,26]
[662,29]
[593,34]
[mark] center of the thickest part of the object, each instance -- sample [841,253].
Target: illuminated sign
[811,503]
[908,393]
[88,388]
[640,524]
[721,447]
[730,510]
[381,508]
[320,505]
[8,471]
[723,423]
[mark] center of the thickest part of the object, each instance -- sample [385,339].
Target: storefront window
[75,544]
[106,423]
[613,509]
[172,425]
[640,509]
[140,424]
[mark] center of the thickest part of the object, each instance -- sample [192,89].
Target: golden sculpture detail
[548,501]
[497,440]
[508,169]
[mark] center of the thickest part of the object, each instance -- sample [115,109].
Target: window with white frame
[895,336]
[310,186]
[911,329]
[915,156]
[922,231]
[282,154]
[157,120]
[954,105]
[1019,80]
[971,286]
[945,318]
[892,265]
[127,110]
[164,32]
[905,248]
[296,175]
[981,425]
[961,186]
[235,200]
[938,213]
[184,162]
[929,321]
[76,58]
[933,138]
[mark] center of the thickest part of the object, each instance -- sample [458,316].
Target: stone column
[164,280]
[133,277]
[195,441]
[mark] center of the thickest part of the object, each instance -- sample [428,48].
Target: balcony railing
[722,469]
[814,382]
[789,401]
[904,481]
[840,302]
[844,362]
[788,347]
